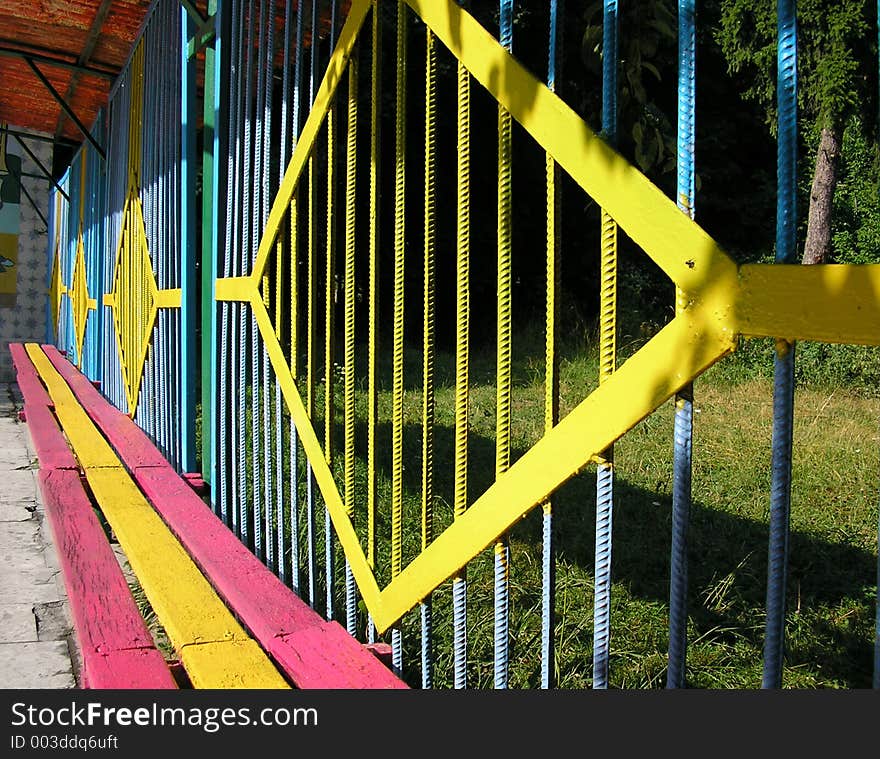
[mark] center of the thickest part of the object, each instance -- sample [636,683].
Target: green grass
[831,589]
[833,570]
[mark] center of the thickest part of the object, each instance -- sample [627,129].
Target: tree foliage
[834,56]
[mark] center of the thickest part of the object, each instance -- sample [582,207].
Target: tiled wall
[26,320]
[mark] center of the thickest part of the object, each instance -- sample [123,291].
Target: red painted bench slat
[117,649]
[50,444]
[314,652]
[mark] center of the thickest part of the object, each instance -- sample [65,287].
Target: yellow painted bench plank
[214,648]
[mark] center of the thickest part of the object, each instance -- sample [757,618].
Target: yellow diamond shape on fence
[57,288]
[135,298]
[80,300]
[723,301]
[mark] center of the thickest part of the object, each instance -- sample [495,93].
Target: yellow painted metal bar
[551,362]
[608,298]
[360,566]
[235,289]
[168,298]
[689,256]
[329,297]
[462,318]
[350,253]
[399,264]
[311,327]
[373,296]
[641,385]
[279,273]
[311,129]
[717,307]
[294,283]
[136,108]
[462,345]
[833,303]
[428,299]
[84,154]
[214,648]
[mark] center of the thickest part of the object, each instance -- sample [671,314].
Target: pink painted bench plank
[134,669]
[315,653]
[117,649]
[50,444]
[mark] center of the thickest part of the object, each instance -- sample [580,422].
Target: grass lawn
[833,570]
[831,597]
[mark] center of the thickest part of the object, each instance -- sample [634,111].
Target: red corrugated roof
[59,29]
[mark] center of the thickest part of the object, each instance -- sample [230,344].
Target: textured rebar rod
[349,291]
[783,381]
[257,398]
[551,361]
[503,379]
[462,344]
[397,327]
[428,340]
[294,308]
[607,354]
[329,329]
[682,465]
[373,301]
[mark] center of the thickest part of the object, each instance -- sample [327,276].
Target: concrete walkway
[35,630]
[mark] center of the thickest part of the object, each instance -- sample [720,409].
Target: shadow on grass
[830,592]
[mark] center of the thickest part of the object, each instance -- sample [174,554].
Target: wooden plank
[48,440]
[116,646]
[184,601]
[133,669]
[313,652]
[105,616]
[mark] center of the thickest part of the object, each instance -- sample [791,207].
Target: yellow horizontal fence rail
[721,302]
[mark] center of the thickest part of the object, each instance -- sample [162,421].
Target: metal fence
[329,132]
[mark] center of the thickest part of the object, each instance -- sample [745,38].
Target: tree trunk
[818,245]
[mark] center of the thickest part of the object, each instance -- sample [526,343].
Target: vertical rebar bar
[682,465]
[783,379]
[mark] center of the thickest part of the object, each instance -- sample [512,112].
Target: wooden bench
[310,651]
[116,646]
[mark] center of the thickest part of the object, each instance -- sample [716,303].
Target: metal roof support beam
[85,55]
[42,168]
[63,141]
[24,189]
[204,36]
[67,109]
[190,8]
[49,61]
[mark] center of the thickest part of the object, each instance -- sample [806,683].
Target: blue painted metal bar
[189,284]
[246,169]
[682,466]
[310,484]
[268,22]
[294,262]
[548,549]
[783,380]
[605,472]
[329,535]
[210,263]
[501,582]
